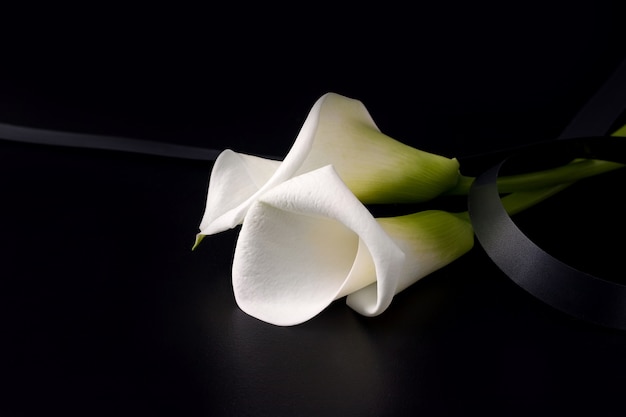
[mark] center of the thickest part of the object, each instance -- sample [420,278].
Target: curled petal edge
[264,285]
[236,209]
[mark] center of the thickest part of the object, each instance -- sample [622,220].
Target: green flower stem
[620,132]
[576,170]
[522,200]
[526,190]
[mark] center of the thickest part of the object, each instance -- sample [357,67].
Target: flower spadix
[309,241]
[337,131]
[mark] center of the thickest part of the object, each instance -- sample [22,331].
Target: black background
[104,310]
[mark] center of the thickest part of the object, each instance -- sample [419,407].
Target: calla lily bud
[337,131]
[310,241]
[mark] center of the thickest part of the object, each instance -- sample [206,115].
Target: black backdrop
[106,311]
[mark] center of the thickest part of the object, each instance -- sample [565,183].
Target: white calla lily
[310,241]
[337,131]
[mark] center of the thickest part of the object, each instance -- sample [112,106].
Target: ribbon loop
[559,285]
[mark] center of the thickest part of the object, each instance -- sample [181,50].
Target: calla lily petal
[234,179]
[377,168]
[307,242]
[236,183]
[337,131]
[429,239]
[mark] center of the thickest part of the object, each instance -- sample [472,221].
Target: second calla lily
[310,241]
[337,131]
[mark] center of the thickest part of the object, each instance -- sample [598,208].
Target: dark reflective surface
[104,309]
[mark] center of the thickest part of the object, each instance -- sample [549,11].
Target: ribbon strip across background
[550,280]
[112,143]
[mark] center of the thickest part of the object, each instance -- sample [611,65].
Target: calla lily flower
[337,131]
[310,241]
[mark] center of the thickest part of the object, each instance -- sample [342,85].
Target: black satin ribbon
[607,104]
[102,142]
[561,286]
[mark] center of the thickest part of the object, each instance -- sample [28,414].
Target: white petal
[235,179]
[429,239]
[338,131]
[297,251]
[376,167]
